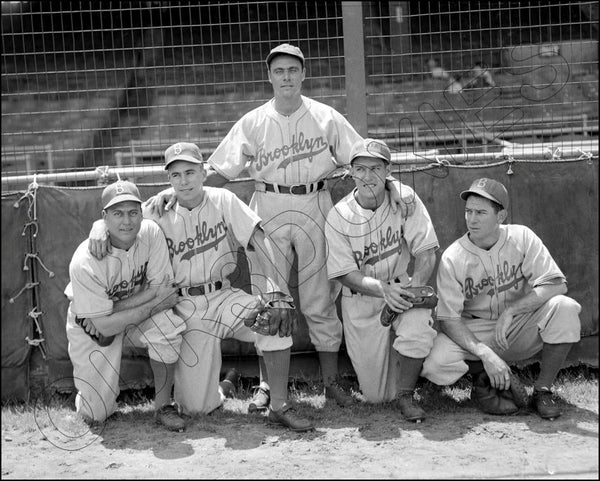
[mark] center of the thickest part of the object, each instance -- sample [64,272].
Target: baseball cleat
[336,392]
[169,417]
[545,404]
[287,416]
[261,399]
[410,409]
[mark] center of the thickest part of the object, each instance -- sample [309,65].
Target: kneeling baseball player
[204,229]
[369,251]
[501,300]
[126,297]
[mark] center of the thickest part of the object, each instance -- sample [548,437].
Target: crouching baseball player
[126,297]
[203,230]
[501,299]
[369,251]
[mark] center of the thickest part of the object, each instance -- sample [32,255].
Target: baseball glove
[518,391]
[276,315]
[425,298]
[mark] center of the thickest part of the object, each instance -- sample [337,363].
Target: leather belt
[201,289]
[296,189]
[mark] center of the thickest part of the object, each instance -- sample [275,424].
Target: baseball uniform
[203,243]
[300,150]
[476,285]
[93,288]
[379,244]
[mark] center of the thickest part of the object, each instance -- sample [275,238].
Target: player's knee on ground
[564,324]
[90,406]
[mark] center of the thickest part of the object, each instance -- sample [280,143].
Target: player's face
[187,179]
[483,222]
[123,221]
[286,76]
[369,176]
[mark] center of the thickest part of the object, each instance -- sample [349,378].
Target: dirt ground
[364,441]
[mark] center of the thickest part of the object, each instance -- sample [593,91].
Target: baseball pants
[373,348]
[96,369]
[556,321]
[296,224]
[211,318]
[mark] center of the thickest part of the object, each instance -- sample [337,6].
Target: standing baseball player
[370,253]
[203,231]
[290,146]
[124,298]
[501,299]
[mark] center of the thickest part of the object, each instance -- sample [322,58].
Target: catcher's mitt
[425,298]
[276,314]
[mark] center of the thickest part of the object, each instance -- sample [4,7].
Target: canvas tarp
[558,200]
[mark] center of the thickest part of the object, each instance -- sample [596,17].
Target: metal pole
[354,62]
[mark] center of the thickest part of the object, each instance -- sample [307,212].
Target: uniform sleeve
[419,232]
[90,298]
[240,218]
[538,265]
[340,260]
[450,290]
[342,137]
[159,262]
[231,155]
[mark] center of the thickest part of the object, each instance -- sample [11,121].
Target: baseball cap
[371,148]
[120,191]
[488,188]
[183,151]
[287,49]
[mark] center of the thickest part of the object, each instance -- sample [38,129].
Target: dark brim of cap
[187,158]
[122,198]
[464,194]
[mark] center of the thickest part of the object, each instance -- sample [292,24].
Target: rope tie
[585,155]
[32,223]
[35,256]
[28,285]
[511,159]
[103,173]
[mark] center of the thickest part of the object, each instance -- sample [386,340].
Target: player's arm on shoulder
[401,196]
[162,201]
[99,240]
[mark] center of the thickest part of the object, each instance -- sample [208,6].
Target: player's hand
[406,202]
[167,295]
[502,325]
[161,202]
[497,370]
[396,297]
[89,327]
[98,240]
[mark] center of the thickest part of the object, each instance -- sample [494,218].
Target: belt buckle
[293,186]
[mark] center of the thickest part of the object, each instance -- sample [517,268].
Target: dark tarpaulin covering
[16,324]
[559,201]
